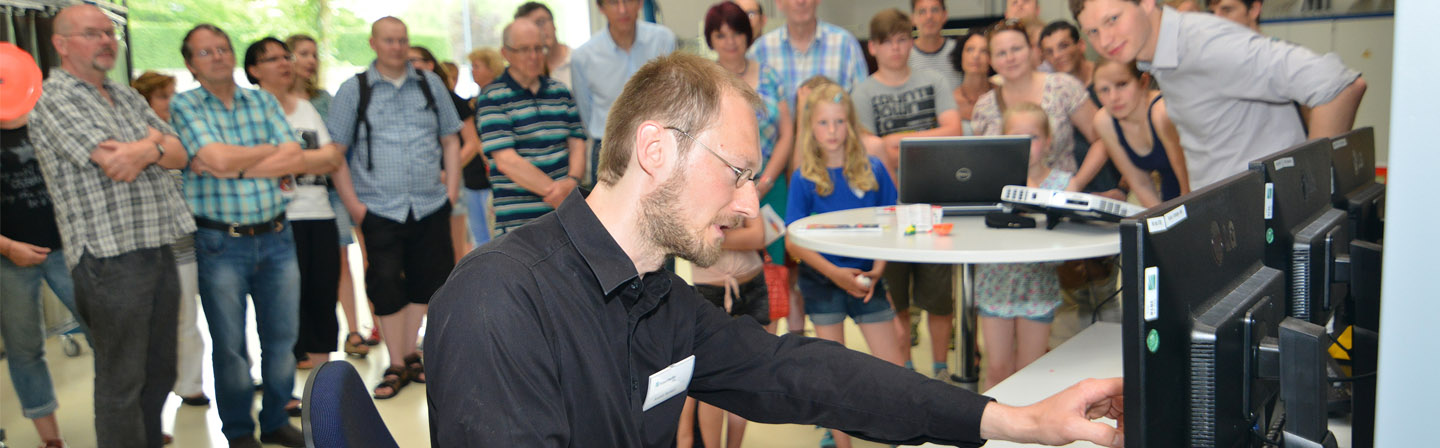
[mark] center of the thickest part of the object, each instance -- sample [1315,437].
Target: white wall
[1366,45]
[1408,392]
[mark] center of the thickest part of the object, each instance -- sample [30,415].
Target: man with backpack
[398,139]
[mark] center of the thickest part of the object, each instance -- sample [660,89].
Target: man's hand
[23,254]
[357,213]
[1063,418]
[559,191]
[123,162]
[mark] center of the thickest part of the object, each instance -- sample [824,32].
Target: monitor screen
[1178,260]
[1356,192]
[1302,228]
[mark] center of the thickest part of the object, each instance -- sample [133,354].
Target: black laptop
[964,175]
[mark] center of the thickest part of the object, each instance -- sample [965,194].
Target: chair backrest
[337,411]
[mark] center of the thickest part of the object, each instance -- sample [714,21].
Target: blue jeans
[265,268]
[22,324]
[478,201]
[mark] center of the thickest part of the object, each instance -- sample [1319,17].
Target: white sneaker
[943,375]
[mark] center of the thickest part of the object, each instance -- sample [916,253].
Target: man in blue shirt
[240,144]
[600,68]
[396,191]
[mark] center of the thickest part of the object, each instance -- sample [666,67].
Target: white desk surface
[1094,353]
[969,241]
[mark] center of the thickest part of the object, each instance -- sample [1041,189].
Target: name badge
[669,382]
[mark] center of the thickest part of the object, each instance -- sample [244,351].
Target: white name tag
[669,382]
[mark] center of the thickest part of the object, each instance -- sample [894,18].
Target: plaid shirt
[405,178]
[834,53]
[96,214]
[256,119]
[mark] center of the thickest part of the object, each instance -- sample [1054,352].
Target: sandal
[374,338]
[395,378]
[415,368]
[355,345]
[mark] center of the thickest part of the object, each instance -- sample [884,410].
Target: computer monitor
[1303,232]
[1204,326]
[1356,191]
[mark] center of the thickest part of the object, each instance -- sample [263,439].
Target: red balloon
[20,82]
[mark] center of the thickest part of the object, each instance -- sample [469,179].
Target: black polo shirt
[548,337]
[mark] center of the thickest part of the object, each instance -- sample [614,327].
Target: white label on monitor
[1156,224]
[1270,199]
[1152,293]
[1175,217]
[1284,163]
[1338,143]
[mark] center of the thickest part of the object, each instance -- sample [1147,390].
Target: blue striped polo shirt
[536,126]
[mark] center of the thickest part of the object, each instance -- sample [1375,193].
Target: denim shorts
[827,304]
[1043,318]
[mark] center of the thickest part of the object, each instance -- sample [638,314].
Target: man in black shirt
[551,336]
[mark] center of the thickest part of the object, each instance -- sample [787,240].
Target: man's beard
[663,225]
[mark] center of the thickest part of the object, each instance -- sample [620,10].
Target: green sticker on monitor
[1269,236]
[1152,341]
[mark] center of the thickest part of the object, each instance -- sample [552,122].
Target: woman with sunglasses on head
[1063,98]
[307,85]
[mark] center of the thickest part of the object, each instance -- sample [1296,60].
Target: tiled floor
[405,414]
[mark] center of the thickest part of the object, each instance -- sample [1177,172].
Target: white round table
[969,242]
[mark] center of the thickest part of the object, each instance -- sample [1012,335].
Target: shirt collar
[372,74]
[208,95]
[71,80]
[1167,42]
[601,253]
[515,85]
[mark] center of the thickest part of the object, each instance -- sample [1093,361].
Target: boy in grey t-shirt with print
[897,102]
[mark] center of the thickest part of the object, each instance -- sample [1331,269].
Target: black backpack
[364,104]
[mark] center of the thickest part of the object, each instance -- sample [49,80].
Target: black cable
[1255,429]
[1095,314]
[1339,344]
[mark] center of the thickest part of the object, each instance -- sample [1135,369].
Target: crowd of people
[568,180]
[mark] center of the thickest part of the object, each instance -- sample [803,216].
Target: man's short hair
[889,22]
[1076,6]
[942,4]
[185,43]
[529,7]
[1059,26]
[652,93]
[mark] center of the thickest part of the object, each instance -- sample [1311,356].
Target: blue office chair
[337,411]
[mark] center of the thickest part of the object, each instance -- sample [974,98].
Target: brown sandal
[401,378]
[355,345]
[415,367]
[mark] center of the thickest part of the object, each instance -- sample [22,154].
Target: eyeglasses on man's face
[526,51]
[741,175]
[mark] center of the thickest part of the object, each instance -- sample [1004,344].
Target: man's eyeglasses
[217,51]
[538,49]
[95,35]
[741,175]
[287,58]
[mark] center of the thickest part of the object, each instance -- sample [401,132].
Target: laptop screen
[960,170]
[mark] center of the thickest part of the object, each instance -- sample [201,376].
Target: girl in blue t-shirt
[836,174]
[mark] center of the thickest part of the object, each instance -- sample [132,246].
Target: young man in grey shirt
[899,102]
[1228,89]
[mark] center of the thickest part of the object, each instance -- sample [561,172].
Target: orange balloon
[20,82]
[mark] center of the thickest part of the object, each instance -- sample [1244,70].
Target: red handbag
[777,282]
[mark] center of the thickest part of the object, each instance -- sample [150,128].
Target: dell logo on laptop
[962,174]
